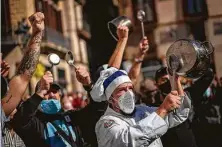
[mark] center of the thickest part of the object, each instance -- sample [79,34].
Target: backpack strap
[68,138]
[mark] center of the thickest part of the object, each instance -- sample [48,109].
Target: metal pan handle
[208,46]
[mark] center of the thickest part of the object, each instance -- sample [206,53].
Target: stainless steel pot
[194,57]
[121,20]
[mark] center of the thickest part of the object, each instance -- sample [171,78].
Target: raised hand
[37,22]
[171,102]
[122,32]
[30,59]
[83,76]
[19,83]
[143,48]
[44,84]
[4,68]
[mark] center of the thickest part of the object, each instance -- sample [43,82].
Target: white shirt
[143,129]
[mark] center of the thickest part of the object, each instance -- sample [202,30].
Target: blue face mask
[51,106]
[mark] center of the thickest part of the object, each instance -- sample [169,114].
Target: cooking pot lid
[186,54]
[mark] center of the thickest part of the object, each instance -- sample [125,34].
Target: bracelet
[138,60]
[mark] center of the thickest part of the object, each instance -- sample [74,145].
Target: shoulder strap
[68,138]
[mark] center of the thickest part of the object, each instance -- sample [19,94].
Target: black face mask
[165,88]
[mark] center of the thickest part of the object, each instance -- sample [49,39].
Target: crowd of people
[111,113]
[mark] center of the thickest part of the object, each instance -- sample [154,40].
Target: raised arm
[19,82]
[197,90]
[136,67]
[25,115]
[146,130]
[117,56]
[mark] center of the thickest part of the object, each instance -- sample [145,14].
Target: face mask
[126,102]
[165,88]
[51,106]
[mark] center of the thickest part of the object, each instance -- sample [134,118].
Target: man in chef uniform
[127,125]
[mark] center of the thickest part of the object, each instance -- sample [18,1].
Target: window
[39,5]
[148,6]
[6,20]
[172,34]
[61,78]
[167,36]
[195,7]
[52,14]
[217,27]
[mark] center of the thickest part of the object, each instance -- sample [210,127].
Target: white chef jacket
[143,129]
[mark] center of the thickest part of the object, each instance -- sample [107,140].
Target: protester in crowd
[207,117]
[67,103]
[41,115]
[149,93]
[80,101]
[26,67]
[123,124]
[4,88]
[182,134]
[77,103]
[29,119]
[10,138]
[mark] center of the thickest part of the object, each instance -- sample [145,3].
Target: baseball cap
[160,72]
[55,86]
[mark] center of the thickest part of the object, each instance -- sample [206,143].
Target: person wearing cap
[40,121]
[125,124]
[148,92]
[182,135]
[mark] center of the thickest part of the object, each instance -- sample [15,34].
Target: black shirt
[29,123]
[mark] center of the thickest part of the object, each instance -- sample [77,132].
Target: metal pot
[194,57]
[113,24]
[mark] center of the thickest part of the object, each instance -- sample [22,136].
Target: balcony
[55,39]
[10,38]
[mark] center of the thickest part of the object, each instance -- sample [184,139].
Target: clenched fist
[83,76]
[144,45]
[122,32]
[143,48]
[37,22]
[44,84]
[171,102]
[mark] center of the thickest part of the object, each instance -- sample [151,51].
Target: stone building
[169,20]
[62,21]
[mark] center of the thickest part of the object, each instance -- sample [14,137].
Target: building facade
[169,20]
[62,20]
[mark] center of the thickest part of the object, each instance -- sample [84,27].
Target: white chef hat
[108,81]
